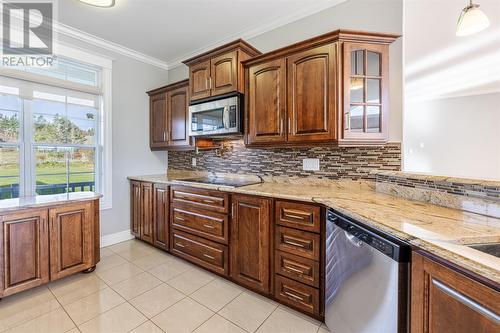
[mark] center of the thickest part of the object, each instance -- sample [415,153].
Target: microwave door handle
[225,117]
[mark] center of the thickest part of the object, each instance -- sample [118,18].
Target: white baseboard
[115,238]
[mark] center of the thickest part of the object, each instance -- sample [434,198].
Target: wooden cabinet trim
[237,44]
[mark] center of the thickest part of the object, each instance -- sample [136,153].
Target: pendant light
[471,20]
[99,3]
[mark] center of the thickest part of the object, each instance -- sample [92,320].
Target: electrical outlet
[310,164]
[193,161]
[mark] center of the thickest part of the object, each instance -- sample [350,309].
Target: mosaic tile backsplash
[335,162]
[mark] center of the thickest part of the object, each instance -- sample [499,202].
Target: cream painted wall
[370,15]
[452,91]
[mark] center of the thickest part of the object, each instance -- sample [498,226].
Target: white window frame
[105,154]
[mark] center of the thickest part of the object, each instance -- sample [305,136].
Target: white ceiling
[173,30]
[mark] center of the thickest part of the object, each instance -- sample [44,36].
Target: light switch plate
[310,164]
[193,161]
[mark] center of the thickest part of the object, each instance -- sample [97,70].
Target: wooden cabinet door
[444,301]
[24,251]
[178,103]
[135,207]
[224,73]
[160,216]
[266,102]
[158,121]
[146,226]
[71,239]
[250,242]
[311,95]
[199,76]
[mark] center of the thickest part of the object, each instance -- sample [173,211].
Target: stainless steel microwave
[216,117]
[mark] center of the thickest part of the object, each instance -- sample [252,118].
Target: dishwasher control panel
[383,243]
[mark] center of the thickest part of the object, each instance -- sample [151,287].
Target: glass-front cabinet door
[365,93]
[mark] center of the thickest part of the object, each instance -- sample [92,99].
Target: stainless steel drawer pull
[294,269]
[180,218]
[208,201]
[295,244]
[473,305]
[209,226]
[293,296]
[294,216]
[179,245]
[208,256]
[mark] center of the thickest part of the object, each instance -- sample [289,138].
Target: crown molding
[260,29]
[71,32]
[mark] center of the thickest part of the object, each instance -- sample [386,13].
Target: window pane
[356,118]
[82,169]
[9,172]
[358,62]
[81,131]
[10,102]
[373,59]
[357,90]
[51,170]
[373,119]
[373,90]
[9,126]
[50,129]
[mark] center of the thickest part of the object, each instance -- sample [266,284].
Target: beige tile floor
[138,288]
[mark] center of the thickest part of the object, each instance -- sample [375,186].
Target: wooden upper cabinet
[71,239]
[251,242]
[219,71]
[336,91]
[24,251]
[168,122]
[366,71]
[178,103]
[266,102]
[311,91]
[444,300]
[199,80]
[224,73]
[158,121]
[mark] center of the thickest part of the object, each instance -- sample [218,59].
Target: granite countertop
[9,205]
[436,229]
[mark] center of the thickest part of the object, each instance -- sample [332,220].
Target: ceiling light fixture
[99,3]
[471,20]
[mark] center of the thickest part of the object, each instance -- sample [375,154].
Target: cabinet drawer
[210,200]
[296,294]
[203,223]
[297,268]
[212,256]
[297,215]
[301,243]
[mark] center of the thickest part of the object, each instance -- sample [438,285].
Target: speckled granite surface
[9,205]
[441,230]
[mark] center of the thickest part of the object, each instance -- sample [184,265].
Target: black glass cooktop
[223,181]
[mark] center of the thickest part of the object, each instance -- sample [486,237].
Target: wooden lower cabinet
[208,254]
[443,301]
[71,239]
[24,249]
[42,245]
[297,295]
[142,212]
[250,244]
[160,216]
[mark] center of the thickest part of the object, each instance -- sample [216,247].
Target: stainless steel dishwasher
[366,283]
